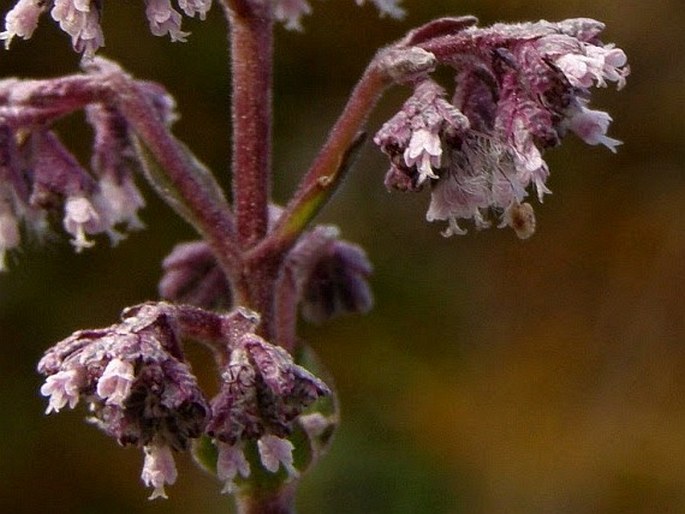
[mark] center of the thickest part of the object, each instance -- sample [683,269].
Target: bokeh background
[493,376]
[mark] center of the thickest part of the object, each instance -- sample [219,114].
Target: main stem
[251,40]
[251,59]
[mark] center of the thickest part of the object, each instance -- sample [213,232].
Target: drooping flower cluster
[262,392]
[137,386]
[40,177]
[139,389]
[80,19]
[519,90]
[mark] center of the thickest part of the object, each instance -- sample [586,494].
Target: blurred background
[493,376]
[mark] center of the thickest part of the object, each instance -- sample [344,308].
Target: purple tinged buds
[518,90]
[191,275]
[330,275]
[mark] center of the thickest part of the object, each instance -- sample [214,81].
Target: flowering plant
[476,146]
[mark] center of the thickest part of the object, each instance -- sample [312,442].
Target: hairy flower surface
[261,395]
[518,90]
[137,386]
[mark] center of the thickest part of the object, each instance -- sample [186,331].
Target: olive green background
[493,376]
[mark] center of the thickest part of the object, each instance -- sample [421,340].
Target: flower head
[137,386]
[519,90]
[41,177]
[261,395]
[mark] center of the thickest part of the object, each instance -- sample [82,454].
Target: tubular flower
[519,90]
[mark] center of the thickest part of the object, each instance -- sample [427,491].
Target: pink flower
[231,463]
[114,385]
[591,126]
[22,20]
[290,12]
[274,452]
[389,7]
[164,20]
[63,387]
[159,469]
[81,20]
[80,217]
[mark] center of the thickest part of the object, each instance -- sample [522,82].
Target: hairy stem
[184,179]
[251,35]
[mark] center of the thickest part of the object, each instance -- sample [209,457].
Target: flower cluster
[80,19]
[39,176]
[328,276]
[137,386]
[262,392]
[519,90]
[139,389]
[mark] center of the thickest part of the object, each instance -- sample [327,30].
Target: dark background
[494,375]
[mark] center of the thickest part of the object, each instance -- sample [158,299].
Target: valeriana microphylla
[476,143]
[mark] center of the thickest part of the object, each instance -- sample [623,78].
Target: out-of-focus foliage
[494,375]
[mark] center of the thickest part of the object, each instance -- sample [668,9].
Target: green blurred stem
[281,501]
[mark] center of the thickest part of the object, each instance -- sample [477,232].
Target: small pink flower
[274,452]
[159,469]
[192,7]
[80,217]
[290,12]
[114,385]
[424,151]
[595,66]
[22,20]
[591,126]
[230,464]
[386,7]
[164,19]
[81,20]
[62,388]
